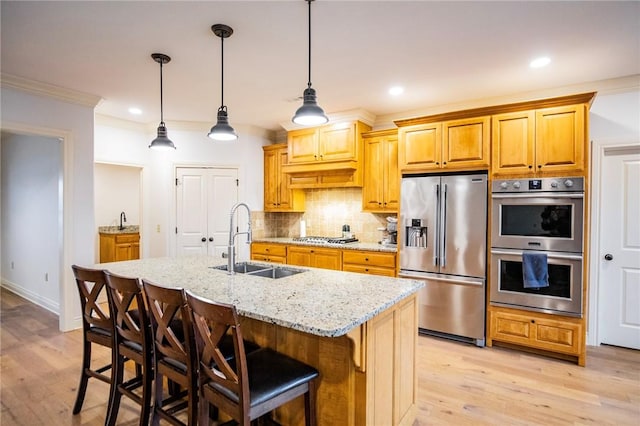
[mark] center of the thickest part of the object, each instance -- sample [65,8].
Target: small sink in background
[265,271]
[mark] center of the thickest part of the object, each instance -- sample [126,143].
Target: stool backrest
[130,318]
[211,322]
[170,323]
[92,286]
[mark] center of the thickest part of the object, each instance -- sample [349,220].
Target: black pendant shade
[222,131]
[310,113]
[161,142]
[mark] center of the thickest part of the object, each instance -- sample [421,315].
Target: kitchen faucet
[231,249]
[123,218]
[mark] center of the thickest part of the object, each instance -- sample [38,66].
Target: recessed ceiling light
[396,90]
[135,111]
[540,62]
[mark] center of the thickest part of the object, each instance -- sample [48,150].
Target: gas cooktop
[325,240]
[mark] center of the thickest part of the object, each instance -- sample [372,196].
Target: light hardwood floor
[458,384]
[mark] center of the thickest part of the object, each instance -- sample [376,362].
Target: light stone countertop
[318,301]
[349,246]
[129,229]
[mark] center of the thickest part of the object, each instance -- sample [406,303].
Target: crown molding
[50,90]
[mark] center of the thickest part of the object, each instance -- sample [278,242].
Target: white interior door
[204,197]
[619,256]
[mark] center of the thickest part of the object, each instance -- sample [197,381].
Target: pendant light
[310,113]
[222,131]
[161,142]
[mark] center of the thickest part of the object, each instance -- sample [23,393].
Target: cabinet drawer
[363,269]
[127,238]
[269,249]
[267,258]
[386,260]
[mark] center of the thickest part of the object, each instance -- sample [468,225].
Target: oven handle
[576,195]
[554,255]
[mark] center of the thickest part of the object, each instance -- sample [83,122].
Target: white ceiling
[441,52]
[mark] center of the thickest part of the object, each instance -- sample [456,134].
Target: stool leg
[84,377]
[310,405]
[115,396]
[147,382]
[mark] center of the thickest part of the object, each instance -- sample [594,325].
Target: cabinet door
[300,256]
[123,252]
[271,179]
[284,193]
[513,143]
[373,186]
[303,145]
[135,251]
[326,258]
[338,142]
[560,139]
[466,143]
[419,146]
[391,176]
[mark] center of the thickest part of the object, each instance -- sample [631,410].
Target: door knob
[210,238]
[608,256]
[204,240]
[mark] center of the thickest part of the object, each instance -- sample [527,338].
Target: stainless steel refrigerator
[442,232]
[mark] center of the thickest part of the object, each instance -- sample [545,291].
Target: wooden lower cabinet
[543,332]
[367,377]
[368,262]
[315,257]
[119,247]
[267,252]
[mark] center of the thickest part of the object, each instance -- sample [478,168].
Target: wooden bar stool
[174,353]
[97,326]
[132,340]
[248,386]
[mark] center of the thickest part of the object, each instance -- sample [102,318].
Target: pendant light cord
[161,103]
[222,72]
[309,81]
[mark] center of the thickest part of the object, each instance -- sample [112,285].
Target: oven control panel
[561,184]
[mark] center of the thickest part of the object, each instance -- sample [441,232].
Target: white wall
[125,143]
[31,201]
[27,113]
[614,121]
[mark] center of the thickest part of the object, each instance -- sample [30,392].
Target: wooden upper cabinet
[333,142]
[380,191]
[466,143]
[455,144]
[303,145]
[278,197]
[539,142]
[419,146]
[560,139]
[338,142]
[513,142]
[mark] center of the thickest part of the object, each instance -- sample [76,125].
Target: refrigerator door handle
[443,228]
[436,233]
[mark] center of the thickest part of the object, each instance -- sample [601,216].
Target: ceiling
[442,53]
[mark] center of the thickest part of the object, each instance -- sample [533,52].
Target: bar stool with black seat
[132,340]
[97,326]
[174,353]
[250,385]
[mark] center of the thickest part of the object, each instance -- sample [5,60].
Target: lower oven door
[563,296]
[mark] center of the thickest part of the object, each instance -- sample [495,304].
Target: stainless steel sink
[266,271]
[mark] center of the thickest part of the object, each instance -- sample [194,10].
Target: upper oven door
[549,222]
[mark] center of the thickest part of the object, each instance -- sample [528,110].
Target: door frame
[66,318]
[598,151]
[173,214]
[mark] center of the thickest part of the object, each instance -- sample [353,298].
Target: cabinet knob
[366,259]
[530,166]
[533,321]
[204,240]
[266,249]
[210,238]
[437,163]
[539,166]
[444,163]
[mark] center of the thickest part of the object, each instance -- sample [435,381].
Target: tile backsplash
[326,211]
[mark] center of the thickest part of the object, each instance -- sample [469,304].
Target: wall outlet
[46,277]
[12,267]
[158,229]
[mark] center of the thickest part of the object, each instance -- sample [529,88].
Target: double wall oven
[545,216]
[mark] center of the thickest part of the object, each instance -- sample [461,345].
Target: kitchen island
[358,330]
